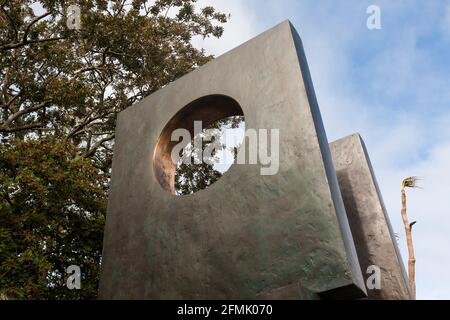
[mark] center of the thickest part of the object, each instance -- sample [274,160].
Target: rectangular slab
[247,236]
[372,232]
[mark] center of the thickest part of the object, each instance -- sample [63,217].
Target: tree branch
[22,128]
[7,104]
[20,113]
[120,8]
[98,144]
[21,44]
[16,33]
[27,30]
[80,126]
[95,67]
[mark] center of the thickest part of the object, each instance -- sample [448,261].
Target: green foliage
[60,93]
[192,177]
[410,182]
[51,216]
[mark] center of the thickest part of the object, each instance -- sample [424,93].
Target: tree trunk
[412,259]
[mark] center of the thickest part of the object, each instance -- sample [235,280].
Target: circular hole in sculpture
[199,144]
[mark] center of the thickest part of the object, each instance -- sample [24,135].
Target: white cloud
[242,26]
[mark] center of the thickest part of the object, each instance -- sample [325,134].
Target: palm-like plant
[410,182]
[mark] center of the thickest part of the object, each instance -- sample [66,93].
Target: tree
[52,216]
[410,182]
[60,93]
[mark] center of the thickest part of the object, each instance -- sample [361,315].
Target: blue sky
[390,85]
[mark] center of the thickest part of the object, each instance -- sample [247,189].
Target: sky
[391,85]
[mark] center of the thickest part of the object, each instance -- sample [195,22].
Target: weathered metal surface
[369,221]
[247,235]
